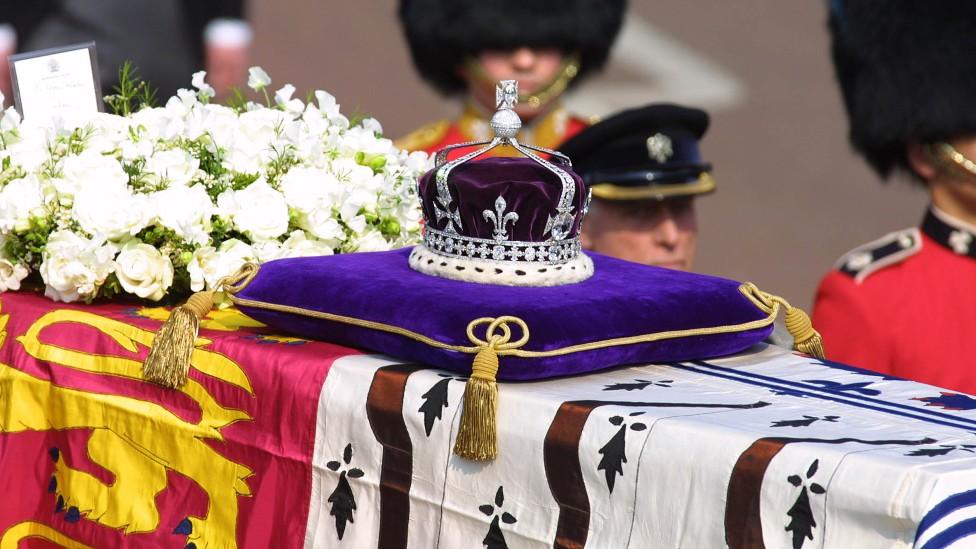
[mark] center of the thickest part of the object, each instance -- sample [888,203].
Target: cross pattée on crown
[506,94]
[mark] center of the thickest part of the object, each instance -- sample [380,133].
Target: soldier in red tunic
[905,304]
[465,47]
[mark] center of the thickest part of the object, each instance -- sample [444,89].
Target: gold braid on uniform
[944,154]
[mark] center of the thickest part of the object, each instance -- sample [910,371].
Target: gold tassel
[478,437]
[805,338]
[169,357]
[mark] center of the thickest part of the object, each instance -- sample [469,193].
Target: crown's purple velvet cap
[528,188]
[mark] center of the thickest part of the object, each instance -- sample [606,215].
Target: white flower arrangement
[161,201]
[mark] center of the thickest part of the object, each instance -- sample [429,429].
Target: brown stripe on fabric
[743,523]
[743,527]
[560,454]
[384,410]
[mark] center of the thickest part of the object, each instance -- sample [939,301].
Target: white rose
[209,265]
[112,213]
[175,166]
[19,200]
[371,241]
[89,171]
[186,210]
[143,270]
[299,245]
[257,210]
[73,267]
[11,274]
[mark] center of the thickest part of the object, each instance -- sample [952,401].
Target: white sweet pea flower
[419,162]
[158,124]
[143,270]
[11,274]
[185,210]
[73,267]
[257,210]
[306,188]
[209,265]
[205,92]
[19,200]
[356,223]
[283,95]
[371,241]
[10,120]
[320,223]
[373,125]
[257,79]
[111,213]
[299,245]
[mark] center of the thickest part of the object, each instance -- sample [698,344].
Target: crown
[512,221]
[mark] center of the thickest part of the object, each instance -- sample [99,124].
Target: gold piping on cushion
[610,191]
[763,301]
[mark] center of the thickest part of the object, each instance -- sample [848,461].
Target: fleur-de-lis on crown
[500,219]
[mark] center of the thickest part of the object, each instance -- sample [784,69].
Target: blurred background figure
[905,304]
[167,40]
[464,47]
[644,170]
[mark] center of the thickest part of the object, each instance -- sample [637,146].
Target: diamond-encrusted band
[553,252]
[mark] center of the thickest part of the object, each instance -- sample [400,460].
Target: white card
[59,81]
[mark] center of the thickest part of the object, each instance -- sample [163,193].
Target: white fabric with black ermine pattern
[767,446]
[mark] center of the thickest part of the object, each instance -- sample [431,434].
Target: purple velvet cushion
[621,299]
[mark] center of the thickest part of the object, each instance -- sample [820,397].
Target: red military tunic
[550,131]
[905,305]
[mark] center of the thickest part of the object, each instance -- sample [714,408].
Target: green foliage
[284,160]
[24,247]
[237,100]
[131,93]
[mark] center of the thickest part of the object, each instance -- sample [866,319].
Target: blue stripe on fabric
[943,508]
[824,397]
[808,387]
[952,534]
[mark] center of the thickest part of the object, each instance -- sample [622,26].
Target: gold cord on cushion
[168,362]
[478,433]
[805,338]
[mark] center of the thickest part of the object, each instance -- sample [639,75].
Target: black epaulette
[890,249]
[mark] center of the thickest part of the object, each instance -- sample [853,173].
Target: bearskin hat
[442,34]
[907,71]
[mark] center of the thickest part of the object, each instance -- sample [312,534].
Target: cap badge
[659,147]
